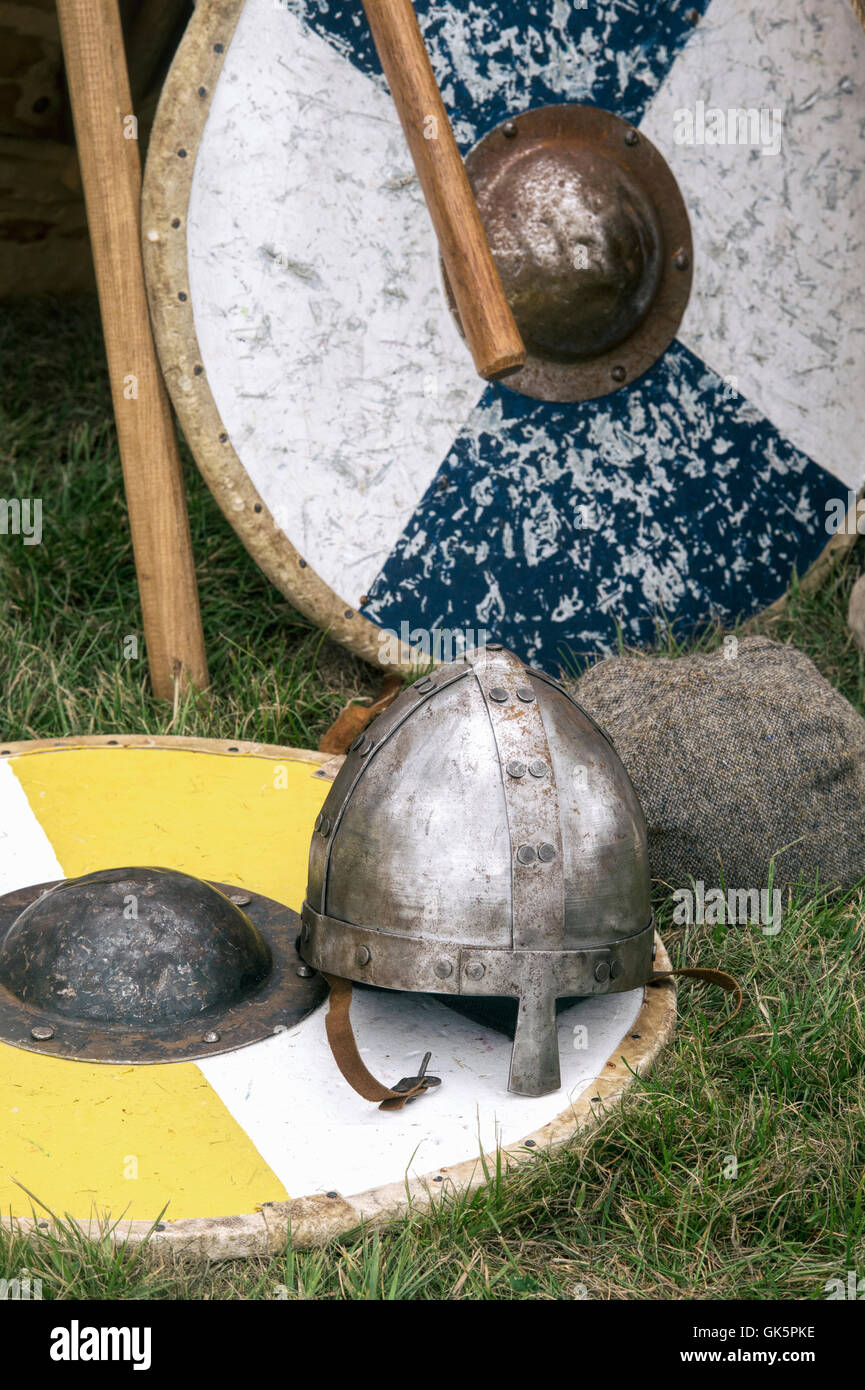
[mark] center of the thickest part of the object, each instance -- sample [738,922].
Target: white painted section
[318,1136]
[313,268]
[26,853]
[779,292]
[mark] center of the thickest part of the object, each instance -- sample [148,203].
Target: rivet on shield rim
[42,1032]
[509,129]
[618,373]
[475,971]
[682,261]
[632,138]
[212,1037]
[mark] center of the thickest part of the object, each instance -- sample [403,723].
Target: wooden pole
[488,324]
[106,136]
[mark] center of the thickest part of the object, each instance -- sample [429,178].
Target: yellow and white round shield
[226,1154]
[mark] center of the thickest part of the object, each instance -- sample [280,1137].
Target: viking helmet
[483,838]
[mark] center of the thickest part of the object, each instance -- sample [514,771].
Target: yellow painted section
[88,1138]
[128,1140]
[242,820]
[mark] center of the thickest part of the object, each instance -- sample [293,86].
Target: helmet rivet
[516,769]
[42,1032]
[526,854]
[324,825]
[616,969]
[304,972]
[602,971]
[212,1036]
[240,898]
[525,693]
[306,933]
[443,969]
[363,955]
[475,971]
[423,685]
[317,825]
[498,694]
[494,647]
[546,853]
[538,768]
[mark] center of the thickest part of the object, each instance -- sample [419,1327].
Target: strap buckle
[410,1083]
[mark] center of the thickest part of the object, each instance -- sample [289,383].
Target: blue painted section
[547,523]
[495,58]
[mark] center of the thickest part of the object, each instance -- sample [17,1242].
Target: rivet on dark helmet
[42,1032]
[538,768]
[602,971]
[363,955]
[324,825]
[516,769]
[498,694]
[475,971]
[527,854]
[546,853]
[525,693]
[616,970]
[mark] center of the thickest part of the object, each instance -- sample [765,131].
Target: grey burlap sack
[738,756]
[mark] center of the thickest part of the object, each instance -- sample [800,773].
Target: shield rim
[178,126]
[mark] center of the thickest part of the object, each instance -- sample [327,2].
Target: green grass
[641,1207]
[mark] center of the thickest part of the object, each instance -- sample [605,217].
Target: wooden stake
[485,315]
[106,134]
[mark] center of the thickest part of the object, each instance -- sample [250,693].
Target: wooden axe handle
[111,173]
[487,321]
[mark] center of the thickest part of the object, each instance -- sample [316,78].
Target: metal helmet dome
[483,838]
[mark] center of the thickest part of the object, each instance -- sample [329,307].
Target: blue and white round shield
[381,467]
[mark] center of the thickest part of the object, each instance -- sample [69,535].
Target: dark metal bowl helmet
[483,838]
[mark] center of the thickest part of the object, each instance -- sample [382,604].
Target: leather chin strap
[344,1046]
[712,977]
[348,1059]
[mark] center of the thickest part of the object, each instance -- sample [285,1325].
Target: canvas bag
[738,756]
